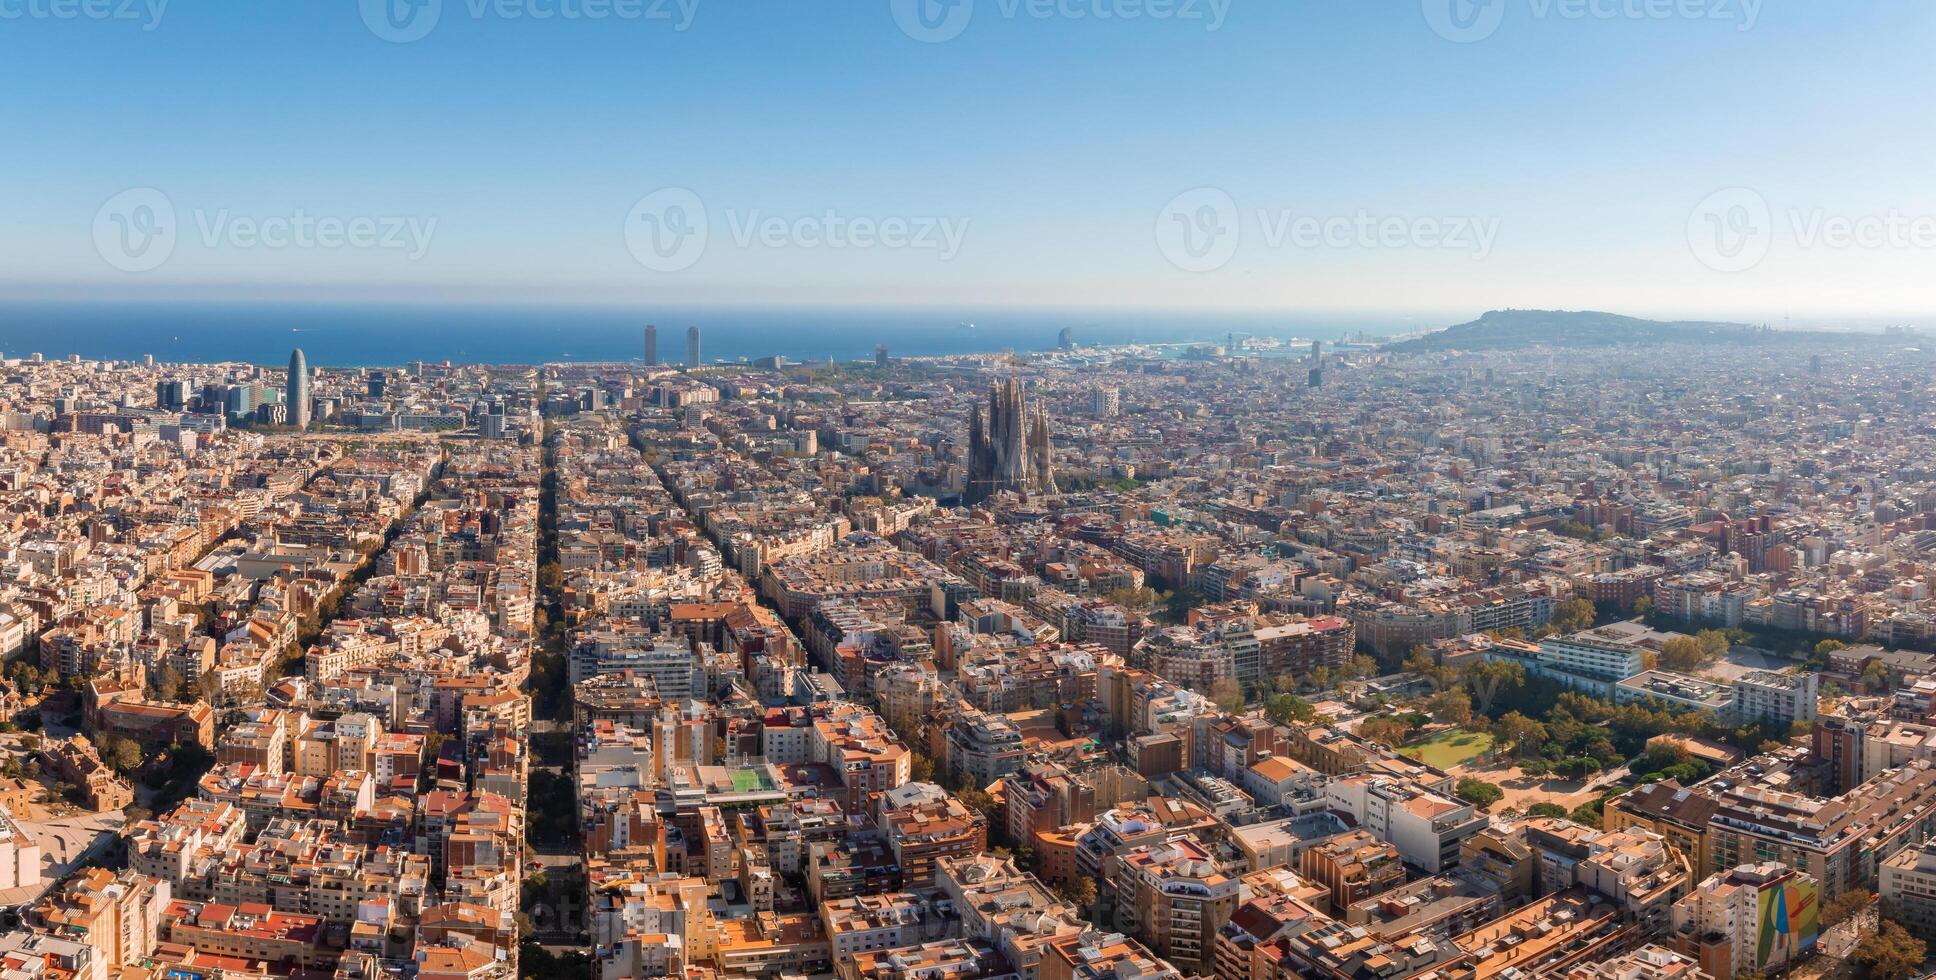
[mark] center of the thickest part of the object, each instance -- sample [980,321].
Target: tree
[1480,793]
[1453,707]
[121,754]
[1682,653]
[1525,735]
[1573,616]
[1177,605]
[1321,678]
[1546,810]
[26,676]
[975,799]
[1875,677]
[1384,729]
[169,685]
[1133,598]
[1080,892]
[1287,708]
[1891,953]
[1228,695]
[1644,606]
[1420,661]
[1491,679]
[1845,905]
[1713,642]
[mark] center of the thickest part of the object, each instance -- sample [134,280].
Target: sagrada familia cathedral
[1008,448]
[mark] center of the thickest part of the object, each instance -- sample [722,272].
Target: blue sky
[1568,158]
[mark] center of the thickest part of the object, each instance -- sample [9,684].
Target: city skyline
[1147,490]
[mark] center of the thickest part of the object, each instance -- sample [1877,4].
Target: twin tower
[652,346]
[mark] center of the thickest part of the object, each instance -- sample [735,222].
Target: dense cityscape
[1453,658]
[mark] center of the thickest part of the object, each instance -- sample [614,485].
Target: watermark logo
[1468,21]
[667,230]
[401,21]
[1199,230]
[1734,229]
[1464,21]
[135,230]
[670,229]
[138,230]
[147,13]
[1731,229]
[935,21]
[404,21]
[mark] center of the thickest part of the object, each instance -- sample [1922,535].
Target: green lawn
[1448,749]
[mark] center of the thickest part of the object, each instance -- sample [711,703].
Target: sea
[341,334]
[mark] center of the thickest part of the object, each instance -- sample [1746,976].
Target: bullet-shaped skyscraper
[297,392]
[692,347]
[651,346]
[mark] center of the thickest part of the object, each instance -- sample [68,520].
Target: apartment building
[1176,897]
[924,825]
[1765,695]
[120,915]
[983,747]
[1837,842]
[1907,889]
[1427,828]
[1353,867]
[1109,956]
[1755,918]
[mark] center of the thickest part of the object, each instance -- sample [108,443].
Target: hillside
[1511,329]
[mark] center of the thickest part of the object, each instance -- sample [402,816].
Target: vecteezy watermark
[1731,229]
[138,230]
[935,21]
[404,21]
[1734,229]
[669,230]
[1200,230]
[134,231]
[146,13]
[1467,21]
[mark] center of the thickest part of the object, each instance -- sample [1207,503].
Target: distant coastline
[367,335]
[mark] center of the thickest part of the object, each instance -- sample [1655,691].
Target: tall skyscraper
[297,392]
[1066,339]
[692,347]
[880,355]
[1008,448]
[651,346]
